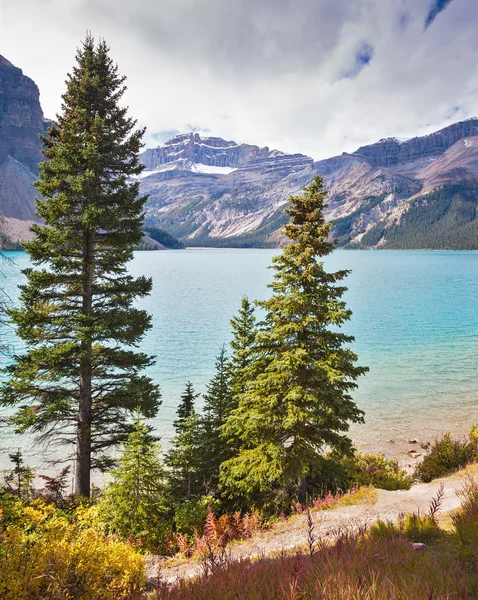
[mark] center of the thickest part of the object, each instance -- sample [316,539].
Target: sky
[314,76]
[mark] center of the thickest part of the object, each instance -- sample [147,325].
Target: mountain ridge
[369,188]
[420,192]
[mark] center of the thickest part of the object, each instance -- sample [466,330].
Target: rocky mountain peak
[390,152]
[211,151]
[21,117]
[195,138]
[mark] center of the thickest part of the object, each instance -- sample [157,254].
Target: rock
[22,117]
[391,441]
[413,454]
[412,441]
[391,151]
[21,120]
[418,546]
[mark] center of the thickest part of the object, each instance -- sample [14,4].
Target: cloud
[435,10]
[312,76]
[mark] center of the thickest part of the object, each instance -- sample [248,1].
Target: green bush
[446,455]
[190,515]
[376,470]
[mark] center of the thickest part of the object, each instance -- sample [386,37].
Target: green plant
[297,400]
[376,470]
[190,515]
[465,521]
[18,481]
[446,455]
[80,378]
[133,504]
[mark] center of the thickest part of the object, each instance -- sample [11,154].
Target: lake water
[415,321]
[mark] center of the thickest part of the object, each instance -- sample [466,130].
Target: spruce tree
[186,406]
[244,330]
[133,504]
[299,402]
[218,404]
[80,378]
[183,459]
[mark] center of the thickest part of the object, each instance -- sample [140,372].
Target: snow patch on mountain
[210,169]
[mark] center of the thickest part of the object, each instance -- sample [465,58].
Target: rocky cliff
[391,152]
[207,151]
[21,120]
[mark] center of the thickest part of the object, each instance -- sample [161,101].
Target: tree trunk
[83,437]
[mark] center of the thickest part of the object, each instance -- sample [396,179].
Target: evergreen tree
[4,299]
[186,406]
[80,379]
[218,404]
[299,401]
[133,504]
[19,480]
[183,459]
[244,331]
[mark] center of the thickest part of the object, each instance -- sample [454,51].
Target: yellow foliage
[44,555]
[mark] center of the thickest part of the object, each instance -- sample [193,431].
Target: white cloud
[272,72]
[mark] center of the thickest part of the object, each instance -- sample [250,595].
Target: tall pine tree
[299,403]
[133,504]
[81,379]
[218,404]
[244,331]
[183,459]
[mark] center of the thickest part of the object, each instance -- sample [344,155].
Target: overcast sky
[313,76]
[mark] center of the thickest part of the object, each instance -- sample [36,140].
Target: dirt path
[292,533]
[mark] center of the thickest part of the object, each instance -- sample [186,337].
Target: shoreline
[394,442]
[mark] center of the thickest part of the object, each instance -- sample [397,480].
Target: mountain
[21,120]
[204,189]
[417,193]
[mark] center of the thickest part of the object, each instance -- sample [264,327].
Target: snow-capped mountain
[420,192]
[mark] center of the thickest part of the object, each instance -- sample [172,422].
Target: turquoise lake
[415,320]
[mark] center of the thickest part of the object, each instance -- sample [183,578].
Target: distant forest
[442,220]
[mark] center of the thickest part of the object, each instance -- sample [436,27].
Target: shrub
[376,470]
[43,554]
[356,495]
[216,532]
[446,455]
[190,515]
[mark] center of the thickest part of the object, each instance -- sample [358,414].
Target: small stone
[418,546]
[412,453]
[413,441]
[391,441]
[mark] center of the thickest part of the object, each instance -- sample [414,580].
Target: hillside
[419,193]
[292,533]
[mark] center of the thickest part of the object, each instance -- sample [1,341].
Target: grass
[371,565]
[358,495]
